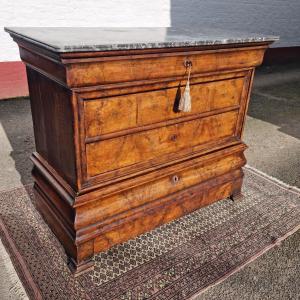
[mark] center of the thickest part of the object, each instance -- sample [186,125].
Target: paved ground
[273,134]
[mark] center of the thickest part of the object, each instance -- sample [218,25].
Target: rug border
[276,242]
[33,292]
[291,188]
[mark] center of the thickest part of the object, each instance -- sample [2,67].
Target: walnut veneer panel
[120,69]
[110,114]
[52,115]
[126,150]
[161,186]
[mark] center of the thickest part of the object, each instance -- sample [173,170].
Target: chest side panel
[52,115]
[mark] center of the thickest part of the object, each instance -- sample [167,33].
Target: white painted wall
[102,13]
[279,17]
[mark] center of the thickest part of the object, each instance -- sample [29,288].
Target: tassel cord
[185,104]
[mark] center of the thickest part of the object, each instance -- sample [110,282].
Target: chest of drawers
[114,155]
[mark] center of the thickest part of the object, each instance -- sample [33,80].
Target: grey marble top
[75,39]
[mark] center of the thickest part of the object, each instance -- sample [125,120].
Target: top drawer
[118,69]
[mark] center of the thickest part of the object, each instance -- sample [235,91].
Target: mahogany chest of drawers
[115,157]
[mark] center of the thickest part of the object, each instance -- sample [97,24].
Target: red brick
[13,80]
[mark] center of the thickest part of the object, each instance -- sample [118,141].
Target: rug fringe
[9,276]
[17,188]
[273,179]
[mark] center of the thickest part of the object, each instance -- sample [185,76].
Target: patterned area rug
[175,261]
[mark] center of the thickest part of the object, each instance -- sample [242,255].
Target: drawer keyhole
[173,137]
[187,63]
[175,179]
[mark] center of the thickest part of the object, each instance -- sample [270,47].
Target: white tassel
[185,102]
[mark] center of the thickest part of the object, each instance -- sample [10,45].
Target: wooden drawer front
[111,154]
[199,170]
[122,112]
[155,66]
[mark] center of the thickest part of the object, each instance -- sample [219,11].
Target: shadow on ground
[16,144]
[276,98]
[272,130]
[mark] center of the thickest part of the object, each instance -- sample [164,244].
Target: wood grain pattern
[148,85]
[118,69]
[168,209]
[52,116]
[120,152]
[117,185]
[133,110]
[201,170]
[114,158]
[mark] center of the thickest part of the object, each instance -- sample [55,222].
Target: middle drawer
[159,144]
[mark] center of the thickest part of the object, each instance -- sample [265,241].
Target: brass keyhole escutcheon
[175,179]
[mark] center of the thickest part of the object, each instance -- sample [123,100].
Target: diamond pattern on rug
[122,258]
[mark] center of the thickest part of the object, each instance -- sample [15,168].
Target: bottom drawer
[168,181]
